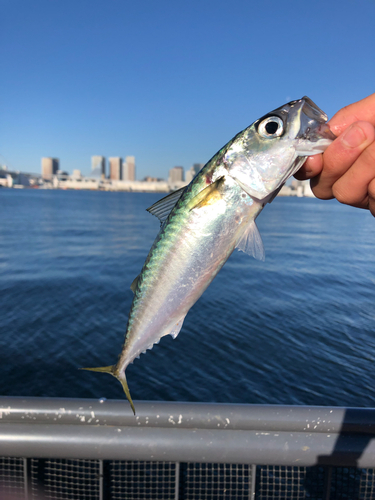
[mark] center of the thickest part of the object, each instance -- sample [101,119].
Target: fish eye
[271,127]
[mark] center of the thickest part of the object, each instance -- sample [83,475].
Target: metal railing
[97,449]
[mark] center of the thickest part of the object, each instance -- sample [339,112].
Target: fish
[204,222]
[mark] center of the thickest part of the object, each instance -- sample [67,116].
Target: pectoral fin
[208,196]
[251,242]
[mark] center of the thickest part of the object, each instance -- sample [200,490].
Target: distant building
[21,180]
[6,180]
[76,174]
[148,178]
[176,174]
[98,166]
[128,169]
[192,172]
[189,175]
[50,166]
[197,167]
[62,173]
[115,168]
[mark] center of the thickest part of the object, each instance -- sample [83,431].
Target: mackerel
[203,223]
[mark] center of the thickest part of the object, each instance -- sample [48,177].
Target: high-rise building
[98,166]
[115,168]
[176,174]
[192,172]
[197,167]
[50,166]
[128,169]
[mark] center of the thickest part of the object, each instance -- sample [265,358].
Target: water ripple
[296,329]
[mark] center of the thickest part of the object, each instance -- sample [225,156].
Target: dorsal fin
[162,208]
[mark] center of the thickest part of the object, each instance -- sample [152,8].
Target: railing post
[327,483]
[26,479]
[177,481]
[253,481]
[101,473]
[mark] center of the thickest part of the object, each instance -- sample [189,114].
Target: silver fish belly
[185,258]
[211,217]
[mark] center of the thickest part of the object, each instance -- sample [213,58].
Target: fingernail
[353,137]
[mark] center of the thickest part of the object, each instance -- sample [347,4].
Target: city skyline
[118,169]
[82,78]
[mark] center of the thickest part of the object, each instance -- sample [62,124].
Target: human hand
[346,170]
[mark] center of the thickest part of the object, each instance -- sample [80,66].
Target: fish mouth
[311,110]
[313,135]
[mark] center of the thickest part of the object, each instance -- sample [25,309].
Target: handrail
[187,432]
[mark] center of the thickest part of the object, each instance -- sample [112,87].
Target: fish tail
[120,377]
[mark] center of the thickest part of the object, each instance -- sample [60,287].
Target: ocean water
[298,328]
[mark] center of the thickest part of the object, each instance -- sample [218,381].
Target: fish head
[262,157]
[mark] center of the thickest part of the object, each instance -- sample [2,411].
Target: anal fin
[176,329]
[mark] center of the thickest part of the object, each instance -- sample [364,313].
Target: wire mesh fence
[12,478]
[63,479]
[216,481]
[98,450]
[77,479]
[141,480]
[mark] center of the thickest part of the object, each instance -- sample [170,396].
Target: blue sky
[169,82]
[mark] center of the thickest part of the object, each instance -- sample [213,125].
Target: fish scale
[203,223]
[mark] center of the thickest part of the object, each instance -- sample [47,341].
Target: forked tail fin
[120,377]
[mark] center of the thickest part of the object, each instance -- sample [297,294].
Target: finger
[353,188]
[340,155]
[371,197]
[363,110]
[312,167]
